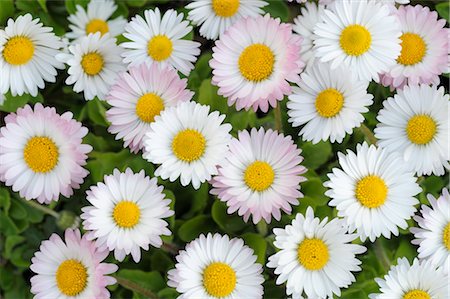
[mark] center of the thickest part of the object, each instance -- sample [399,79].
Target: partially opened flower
[254,61]
[138,96]
[214,266]
[316,256]
[126,214]
[41,153]
[96,18]
[70,269]
[27,56]
[261,175]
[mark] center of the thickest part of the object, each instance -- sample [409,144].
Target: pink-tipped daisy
[138,96]
[42,154]
[261,175]
[254,61]
[425,48]
[70,269]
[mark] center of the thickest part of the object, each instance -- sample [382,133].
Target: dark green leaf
[278,9]
[258,244]
[6,11]
[192,228]
[5,200]
[443,10]
[228,223]
[315,154]
[11,242]
[152,281]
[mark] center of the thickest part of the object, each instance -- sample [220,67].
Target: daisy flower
[159,39]
[425,48]
[363,36]
[433,233]
[41,153]
[216,16]
[316,257]
[261,175]
[329,103]
[94,63]
[217,267]
[254,61]
[27,56]
[415,124]
[188,142]
[304,25]
[138,96]
[374,192]
[95,19]
[421,280]
[72,268]
[126,214]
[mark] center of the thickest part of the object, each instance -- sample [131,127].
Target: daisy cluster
[317,72]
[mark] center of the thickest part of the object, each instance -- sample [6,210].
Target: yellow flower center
[371,191]
[219,280]
[41,154]
[92,63]
[446,236]
[413,49]
[18,50]
[329,102]
[421,129]
[225,8]
[97,25]
[416,294]
[259,176]
[355,40]
[126,214]
[189,145]
[256,62]
[71,277]
[159,47]
[313,254]
[148,106]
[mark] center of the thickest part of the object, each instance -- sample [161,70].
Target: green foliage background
[23,225]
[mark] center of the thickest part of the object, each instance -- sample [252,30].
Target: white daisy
[27,56]
[216,267]
[433,233]
[415,124]
[157,39]
[361,35]
[316,257]
[95,19]
[421,280]
[329,103]
[304,25]
[216,16]
[126,214]
[94,64]
[189,142]
[374,192]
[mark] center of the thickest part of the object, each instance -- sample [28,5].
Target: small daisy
[217,267]
[329,103]
[216,16]
[27,56]
[316,257]
[95,19]
[189,142]
[374,192]
[421,280]
[363,36]
[433,233]
[72,268]
[94,63]
[425,48]
[254,61]
[138,96]
[159,39]
[304,25]
[41,153]
[261,175]
[126,214]
[415,124]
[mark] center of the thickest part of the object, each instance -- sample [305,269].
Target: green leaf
[202,67]
[443,10]
[11,103]
[11,242]
[20,257]
[6,279]
[160,261]
[315,154]
[43,5]
[71,5]
[433,184]
[5,200]
[17,210]
[278,9]
[168,293]
[314,191]
[228,223]
[6,11]
[192,228]
[258,244]
[207,95]
[198,200]
[136,3]
[97,112]
[152,281]
[7,226]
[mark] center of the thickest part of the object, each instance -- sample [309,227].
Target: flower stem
[135,287]
[41,208]
[381,255]
[368,134]
[278,120]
